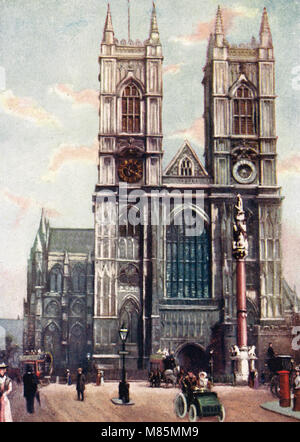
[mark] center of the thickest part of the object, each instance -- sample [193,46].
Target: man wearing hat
[5,389]
[30,382]
[80,384]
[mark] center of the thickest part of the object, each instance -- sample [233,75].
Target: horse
[169,377]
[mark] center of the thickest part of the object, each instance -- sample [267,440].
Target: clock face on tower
[130,170]
[244,172]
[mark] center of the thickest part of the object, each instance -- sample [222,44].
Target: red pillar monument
[240,251]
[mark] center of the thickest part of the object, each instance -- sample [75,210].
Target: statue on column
[239,252]
[240,242]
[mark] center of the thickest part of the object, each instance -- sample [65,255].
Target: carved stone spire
[37,246]
[66,272]
[154,33]
[108,32]
[265,31]
[219,29]
[66,264]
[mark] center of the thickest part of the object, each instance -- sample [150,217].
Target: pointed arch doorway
[192,357]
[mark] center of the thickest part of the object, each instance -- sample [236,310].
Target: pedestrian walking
[98,377]
[251,378]
[5,390]
[30,381]
[68,377]
[80,385]
[256,380]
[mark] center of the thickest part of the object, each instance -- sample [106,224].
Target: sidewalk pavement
[276,408]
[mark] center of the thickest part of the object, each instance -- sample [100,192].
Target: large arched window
[56,279]
[131,109]
[243,112]
[188,262]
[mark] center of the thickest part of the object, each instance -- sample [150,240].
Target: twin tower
[172,289]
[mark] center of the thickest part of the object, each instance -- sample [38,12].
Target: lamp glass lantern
[123,332]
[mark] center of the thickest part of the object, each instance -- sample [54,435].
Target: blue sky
[49,118]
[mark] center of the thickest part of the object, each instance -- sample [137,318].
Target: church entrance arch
[192,357]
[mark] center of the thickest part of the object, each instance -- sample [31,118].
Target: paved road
[59,404]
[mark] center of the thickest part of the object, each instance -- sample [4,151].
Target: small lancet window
[55,280]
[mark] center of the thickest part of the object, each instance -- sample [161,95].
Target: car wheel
[180,405]
[193,413]
[221,416]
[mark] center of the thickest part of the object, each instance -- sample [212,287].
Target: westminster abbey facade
[171,288]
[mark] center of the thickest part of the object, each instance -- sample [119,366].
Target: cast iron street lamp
[123,385]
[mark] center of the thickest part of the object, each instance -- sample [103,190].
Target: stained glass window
[188,263]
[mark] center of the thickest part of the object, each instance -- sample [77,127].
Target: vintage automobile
[203,403]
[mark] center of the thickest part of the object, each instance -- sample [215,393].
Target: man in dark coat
[30,382]
[80,385]
[270,351]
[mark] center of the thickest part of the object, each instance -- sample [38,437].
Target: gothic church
[172,290]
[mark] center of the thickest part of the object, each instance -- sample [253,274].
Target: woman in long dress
[5,389]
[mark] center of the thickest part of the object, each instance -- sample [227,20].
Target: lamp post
[123,385]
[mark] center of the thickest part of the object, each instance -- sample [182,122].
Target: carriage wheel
[193,413]
[180,405]
[221,416]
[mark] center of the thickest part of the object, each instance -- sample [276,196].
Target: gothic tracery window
[188,262]
[131,104]
[243,112]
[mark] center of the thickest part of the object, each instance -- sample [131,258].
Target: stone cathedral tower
[240,152]
[130,152]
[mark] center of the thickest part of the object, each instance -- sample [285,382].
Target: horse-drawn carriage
[276,364]
[162,370]
[198,403]
[40,363]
